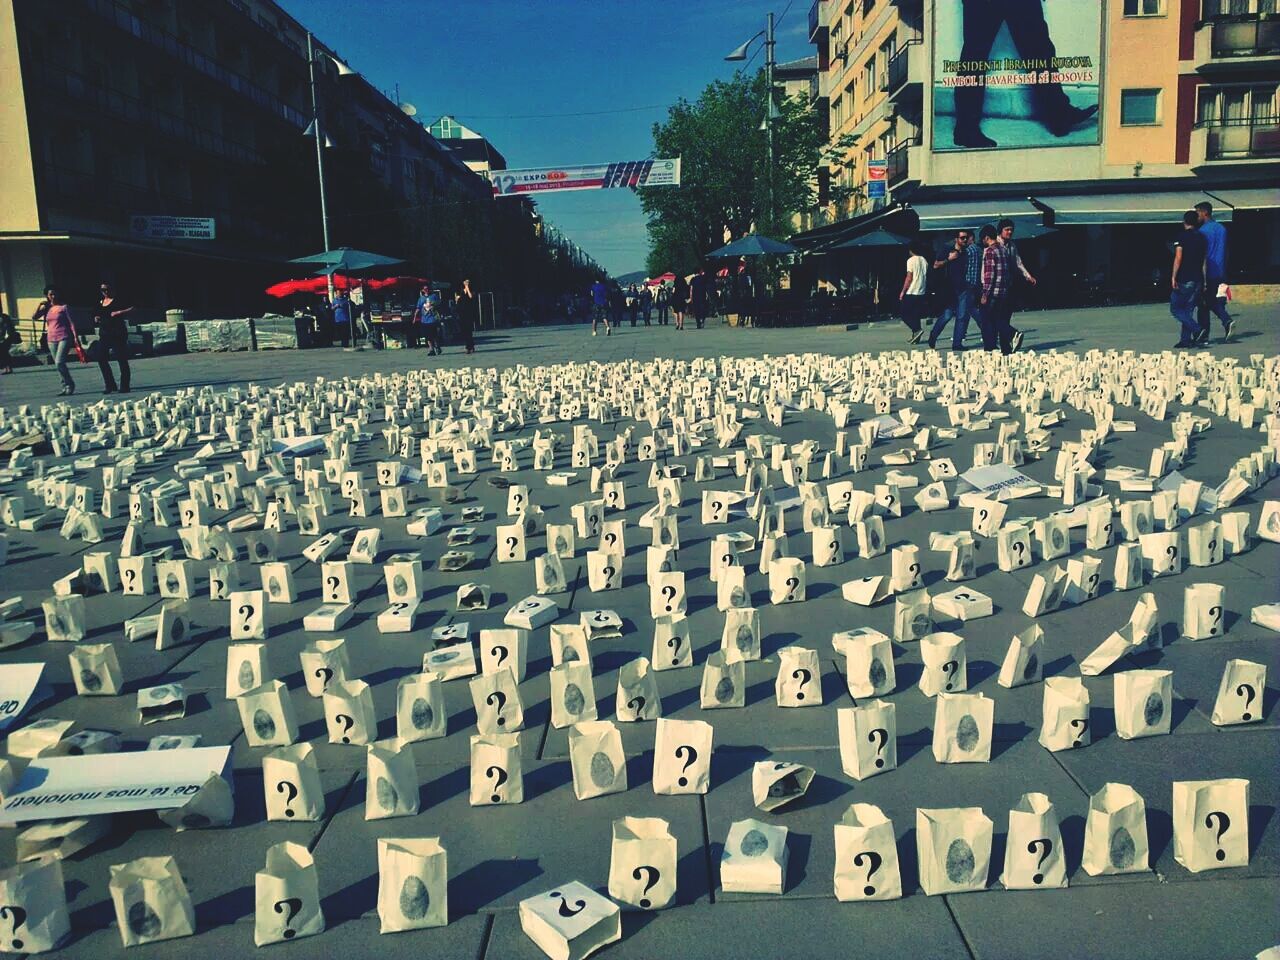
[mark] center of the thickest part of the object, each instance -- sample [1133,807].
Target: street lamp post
[315,129]
[769,111]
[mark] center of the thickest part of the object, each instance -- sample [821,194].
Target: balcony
[900,161]
[906,72]
[818,22]
[1253,143]
[1242,42]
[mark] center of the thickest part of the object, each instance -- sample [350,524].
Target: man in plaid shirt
[997,307]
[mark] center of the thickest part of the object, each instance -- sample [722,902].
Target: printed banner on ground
[590,176]
[18,682]
[56,787]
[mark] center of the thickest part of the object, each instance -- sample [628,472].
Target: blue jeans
[1210,302]
[993,319]
[1182,301]
[62,352]
[961,310]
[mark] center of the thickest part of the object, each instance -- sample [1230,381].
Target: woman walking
[113,337]
[680,300]
[913,299]
[468,310]
[60,334]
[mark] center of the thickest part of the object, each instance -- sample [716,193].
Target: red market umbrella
[392,282]
[316,285]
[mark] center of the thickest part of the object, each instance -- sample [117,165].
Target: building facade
[470,147]
[1094,125]
[117,111]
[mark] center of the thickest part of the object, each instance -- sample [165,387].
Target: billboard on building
[662,172]
[1016,74]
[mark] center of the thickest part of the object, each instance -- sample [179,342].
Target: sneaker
[1227,328]
[1203,338]
[1183,344]
[1017,340]
[915,337]
[608,331]
[593,333]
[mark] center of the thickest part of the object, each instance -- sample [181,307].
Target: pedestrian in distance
[1187,278]
[1213,299]
[993,317]
[342,317]
[468,310]
[60,335]
[617,304]
[8,337]
[1004,233]
[700,296]
[633,304]
[600,307]
[680,300]
[113,338]
[913,297]
[646,304]
[963,266]
[662,300]
[427,314]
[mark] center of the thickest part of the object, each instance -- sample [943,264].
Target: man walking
[1005,228]
[963,264]
[427,313]
[662,302]
[700,295]
[1187,281]
[113,338]
[342,317]
[1215,272]
[994,315]
[600,307]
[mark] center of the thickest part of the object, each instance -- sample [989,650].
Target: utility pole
[315,129]
[768,114]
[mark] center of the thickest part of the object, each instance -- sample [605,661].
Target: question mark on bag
[608,576]
[564,909]
[502,701]
[1044,855]
[982,518]
[325,674]
[669,593]
[792,583]
[1020,548]
[636,704]
[674,644]
[1083,724]
[246,614]
[1172,553]
[883,739]
[874,860]
[1216,614]
[346,723]
[499,652]
[1246,690]
[499,777]
[332,583]
[284,786]
[130,575]
[681,751]
[19,917]
[804,676]
[950,668]
[651,876]
[1224,824]
[511,546]
[290,906]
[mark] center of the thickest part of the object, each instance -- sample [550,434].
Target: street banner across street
[589,176]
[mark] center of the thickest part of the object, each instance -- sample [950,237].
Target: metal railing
[1247,139]
[1249,37]
[898,64]
[897,167]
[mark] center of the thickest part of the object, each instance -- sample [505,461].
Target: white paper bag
[754,859]
[349,714]
[642,863]
[1013,547]
[1033,858]
[740,638]
[573,696]
[953,846]
[1115,832]
[1211,824]
[33,903]
[286,896]
[869,667]
[1024,660]
[1129,571]
[724,682]
[570,922]
[1046,592]
[151,901]
[391,781]
[1240,693]
[906,571]
[962,725]
[786,580]
[497,773]
[637,697]
[1064,714]
[912,616]
[291,784]
[595,754]
[95,668]
[266,713]
[413,888]
[682,756]
[866,855]
[1143,703]
[868,738]
[1203,608]
[672,648]
[946,668]
[420,708]
[246,668]
[497,702]
[774,784]
[799,680]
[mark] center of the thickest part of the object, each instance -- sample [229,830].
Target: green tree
[725,176]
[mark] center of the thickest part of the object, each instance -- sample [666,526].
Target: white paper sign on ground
[995,479]
[57,787]
[18,682]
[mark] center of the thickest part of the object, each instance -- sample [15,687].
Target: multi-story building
[1095,125]
[470,147]
[120,110]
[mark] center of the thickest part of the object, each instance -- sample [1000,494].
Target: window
[1139,108]
[1144,8]
[1238,104]
[869,78]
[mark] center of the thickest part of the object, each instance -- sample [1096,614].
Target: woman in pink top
[60,333]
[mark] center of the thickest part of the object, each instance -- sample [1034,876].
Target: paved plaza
[500,855]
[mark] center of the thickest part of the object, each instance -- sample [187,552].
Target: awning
[1165,207]
[827,236]
[955,214]
[1249,198]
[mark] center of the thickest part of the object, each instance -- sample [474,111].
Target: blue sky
[500,66]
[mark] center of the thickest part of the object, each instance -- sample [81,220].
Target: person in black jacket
[468,311]
[113,338]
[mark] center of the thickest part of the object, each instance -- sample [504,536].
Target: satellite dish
[408,109]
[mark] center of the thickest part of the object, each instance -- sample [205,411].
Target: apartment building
[1094,125]
[163,145]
